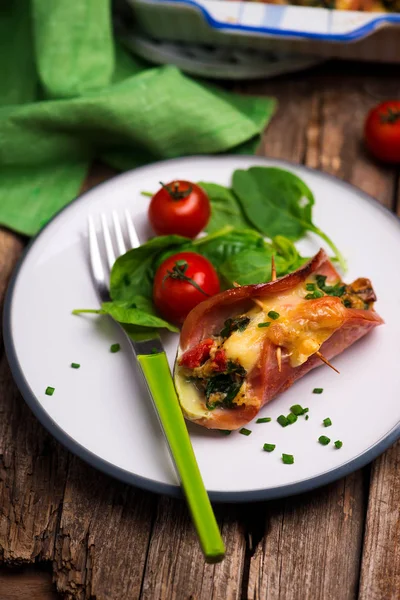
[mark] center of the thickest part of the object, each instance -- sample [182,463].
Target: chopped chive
[288,459]
[338,444]
[282,420]
[273,315]
[298,410]
[307,417]
[264,420]
[266,324]
[269,447]
[314,295]
[318,390]
[291,418]
[310,287]
[115,348]
[245,431]
[327,422]
[49,391]
[324,440]
[225,431]
[305,410]
[75,365]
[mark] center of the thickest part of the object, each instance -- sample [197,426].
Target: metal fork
[154,366]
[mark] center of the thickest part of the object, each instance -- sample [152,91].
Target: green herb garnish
[298,410]
[331,290]
[307,417]
[273,315]
[318,390]
[266,324]
[237,324]
[288,459]
[314,295]
[245,431]
[75,365]
[338,444]
[310,287]
[225,431]
[269,447]
[291,418]
[115,348]
[327,422]
[49,391]
[324,440]
[264,420]
[282,420]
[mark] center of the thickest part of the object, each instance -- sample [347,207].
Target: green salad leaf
[225,206]
[277,202]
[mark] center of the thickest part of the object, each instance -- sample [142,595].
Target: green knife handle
[159,382]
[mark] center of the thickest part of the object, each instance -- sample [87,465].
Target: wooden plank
[311,544]
[26,584]
[175,565]
[380,571]
[103,534]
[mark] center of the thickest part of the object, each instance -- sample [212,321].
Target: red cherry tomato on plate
[181,282]
[181,208]
[382,131]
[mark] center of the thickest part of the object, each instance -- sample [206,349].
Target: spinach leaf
[225,208]
[225,243]
[128,313]
[278,202]
[253,266]
[133,272]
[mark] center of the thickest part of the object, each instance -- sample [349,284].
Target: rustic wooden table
[100,539]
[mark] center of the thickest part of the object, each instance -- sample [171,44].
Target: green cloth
[70,94]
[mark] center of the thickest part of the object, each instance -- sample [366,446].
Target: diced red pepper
[220,360]
[198,355]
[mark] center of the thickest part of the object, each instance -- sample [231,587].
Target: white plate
[101,411]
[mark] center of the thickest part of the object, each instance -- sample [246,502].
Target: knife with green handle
[154,365]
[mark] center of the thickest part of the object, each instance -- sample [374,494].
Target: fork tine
[118,234]
[133,236]
[95,256]
[107,241]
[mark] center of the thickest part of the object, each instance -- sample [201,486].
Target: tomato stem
[179,272]
[175,193]
[391,116]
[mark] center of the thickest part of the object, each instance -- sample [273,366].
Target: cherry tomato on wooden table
[181,282]
[181,208]
[382,131]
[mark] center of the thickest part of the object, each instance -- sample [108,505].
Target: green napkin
[70,94]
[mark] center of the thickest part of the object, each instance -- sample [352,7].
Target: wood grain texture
[102,538]
[380,572]
[26,584]
[311,545]
[175,567]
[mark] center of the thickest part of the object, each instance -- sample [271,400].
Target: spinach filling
[236,324]
[226,384]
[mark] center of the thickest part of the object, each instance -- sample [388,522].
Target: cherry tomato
[382,131]
[180,207]
[181,282]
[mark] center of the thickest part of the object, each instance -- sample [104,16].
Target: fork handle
[158,378]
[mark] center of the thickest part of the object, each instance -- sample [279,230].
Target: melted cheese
[301,329]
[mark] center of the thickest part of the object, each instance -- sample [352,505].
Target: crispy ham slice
[304,327]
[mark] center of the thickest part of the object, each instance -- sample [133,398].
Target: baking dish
[282,28]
